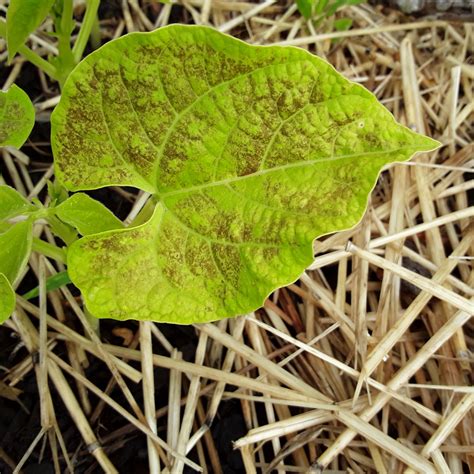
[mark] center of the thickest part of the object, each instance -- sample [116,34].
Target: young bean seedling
[249,153]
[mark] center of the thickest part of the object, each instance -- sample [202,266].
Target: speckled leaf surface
[7,298]
[17,117]
[251,152]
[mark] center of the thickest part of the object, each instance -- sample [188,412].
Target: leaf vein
[275,169]
[182,113]
[134,110]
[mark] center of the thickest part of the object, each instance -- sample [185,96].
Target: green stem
[31,56]
[38,61]
[67,21]
[64,27]
[88,21]
[49,250]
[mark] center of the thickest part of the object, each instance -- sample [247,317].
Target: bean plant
[248,154]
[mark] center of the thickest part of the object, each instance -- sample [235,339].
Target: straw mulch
[363,365]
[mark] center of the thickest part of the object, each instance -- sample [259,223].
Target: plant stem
[31,56]
[64,26]
[67,21]
[38,61]
[88,21]
[49,250]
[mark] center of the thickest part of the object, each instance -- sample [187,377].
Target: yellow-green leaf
[87,215]
[12,203]
[17,117]
[15,248]
[251,151]
[7,298]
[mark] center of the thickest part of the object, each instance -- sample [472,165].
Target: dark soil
[19,427]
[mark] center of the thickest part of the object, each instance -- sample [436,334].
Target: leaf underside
[252,152]
[17,117]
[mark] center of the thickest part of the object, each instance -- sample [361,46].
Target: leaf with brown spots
[251,152]
[17,117]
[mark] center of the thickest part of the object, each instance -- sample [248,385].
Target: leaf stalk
[31,56]
[90,18]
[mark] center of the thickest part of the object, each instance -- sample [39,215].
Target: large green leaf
[252,153]
[23,17]
[17,117]
[7,298]
[12,203]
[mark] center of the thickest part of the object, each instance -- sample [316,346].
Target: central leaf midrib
[297,164]
[208,239]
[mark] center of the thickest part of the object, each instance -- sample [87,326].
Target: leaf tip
[428,144]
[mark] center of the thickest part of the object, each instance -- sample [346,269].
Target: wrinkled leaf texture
[250,151]
[17,117]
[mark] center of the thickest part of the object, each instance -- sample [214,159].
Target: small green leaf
[17,117]
[305,7]
[65,232]
[52,283]
[342,24]
[12,203]
[87,215]
[15,248]
[338,4]
[57,192]
[251,152]
[23,17]
[320,6]
[7,298]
